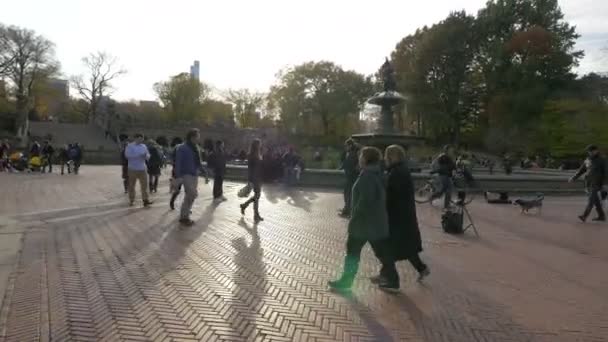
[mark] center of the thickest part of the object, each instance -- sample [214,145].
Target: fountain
[386,134]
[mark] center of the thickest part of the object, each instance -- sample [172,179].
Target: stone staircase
[89,136]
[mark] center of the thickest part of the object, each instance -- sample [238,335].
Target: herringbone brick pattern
[92,269]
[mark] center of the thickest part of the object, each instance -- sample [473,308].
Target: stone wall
[513,183]
[521,183]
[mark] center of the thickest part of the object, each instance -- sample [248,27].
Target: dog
[529,204]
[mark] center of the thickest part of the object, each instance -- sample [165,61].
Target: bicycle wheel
[424,194]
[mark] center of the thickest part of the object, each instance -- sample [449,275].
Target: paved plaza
[77,264]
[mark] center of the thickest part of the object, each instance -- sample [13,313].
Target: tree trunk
[22,122]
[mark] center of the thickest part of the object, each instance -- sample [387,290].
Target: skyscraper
[195,70]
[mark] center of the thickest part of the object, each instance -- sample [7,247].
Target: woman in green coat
[369,219]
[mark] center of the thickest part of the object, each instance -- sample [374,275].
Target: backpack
[73,153]
[451,222]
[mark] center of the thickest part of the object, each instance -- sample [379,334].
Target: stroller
[17,162]
[35,164]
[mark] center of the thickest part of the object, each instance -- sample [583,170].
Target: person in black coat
[405,240]
[154,165]
[254,176]
[217,163]
[350,166]
[48,153]
[595,171]
[124,162]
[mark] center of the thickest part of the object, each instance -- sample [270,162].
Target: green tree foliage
[182,97]
[247,106]
[526,54]
[218,112]
[319,99]
[568,125]
[488,76]
[435,66]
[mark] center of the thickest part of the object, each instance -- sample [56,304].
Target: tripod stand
[461,208]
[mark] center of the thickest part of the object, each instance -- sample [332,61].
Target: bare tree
[6,59]
[27,59]
[102,70]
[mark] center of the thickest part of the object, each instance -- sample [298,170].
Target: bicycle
[463,189]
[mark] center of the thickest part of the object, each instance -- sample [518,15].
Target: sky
[244,43]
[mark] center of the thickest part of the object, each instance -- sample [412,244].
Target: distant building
[149,104]
[60,88]
[195,70]
[53,100]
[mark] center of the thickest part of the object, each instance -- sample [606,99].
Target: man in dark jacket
[47,156]
[75,154]
[594,170]
[350,166]
[125,167]
[188,166]
[35,150]
[217,163]
[64,158]
[444,166]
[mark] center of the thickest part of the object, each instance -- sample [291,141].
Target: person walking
[444,166]
[64,158]
[154,165]
[188,166]
[217,163]
[47,156]
[595,173]
[5,149]
[175,187]
[124,162]
[137,154]
[75,154]
[350,166]
[368,220]
[405,242]
[254,175]
[289,161]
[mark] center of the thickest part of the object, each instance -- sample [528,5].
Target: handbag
[245,191]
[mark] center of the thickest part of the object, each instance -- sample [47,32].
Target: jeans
[190,184]
[289,175]
[66,164]
[594,200]
[445,183]
[48,162]
[153,182]
[218,184]
[142,177]
[348,191]
[255,199]
[174,194]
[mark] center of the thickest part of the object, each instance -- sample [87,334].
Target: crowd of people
[41,158]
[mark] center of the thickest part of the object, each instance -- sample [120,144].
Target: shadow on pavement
[249,279]
[379,331]
[295,197]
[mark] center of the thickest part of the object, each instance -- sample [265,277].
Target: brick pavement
[92,269]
